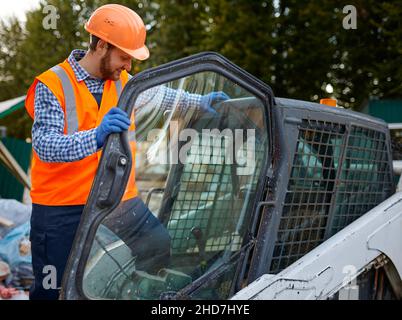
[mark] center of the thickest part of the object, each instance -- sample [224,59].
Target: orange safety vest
[69,183]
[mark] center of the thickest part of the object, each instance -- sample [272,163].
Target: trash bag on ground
[15,250]
[13,247]
[21,277]
[16,212]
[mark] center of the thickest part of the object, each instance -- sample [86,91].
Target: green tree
[242,31]
[177,30]
[312,50]
[11,38]
[369,64]
[296,47]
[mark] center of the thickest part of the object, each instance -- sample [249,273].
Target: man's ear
[102,47]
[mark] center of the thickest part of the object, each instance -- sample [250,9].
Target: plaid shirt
[48,138]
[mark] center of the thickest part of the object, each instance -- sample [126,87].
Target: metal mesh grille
[210,199]
[322,169]
[308,199]
[365,177]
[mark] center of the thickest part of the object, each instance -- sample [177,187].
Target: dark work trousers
[53,229]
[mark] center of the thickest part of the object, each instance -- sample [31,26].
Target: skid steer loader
[266,198]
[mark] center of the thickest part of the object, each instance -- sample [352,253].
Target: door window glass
[199,144]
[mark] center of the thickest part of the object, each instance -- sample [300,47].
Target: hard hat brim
[139,54]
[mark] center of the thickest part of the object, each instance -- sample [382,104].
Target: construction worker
[73,108]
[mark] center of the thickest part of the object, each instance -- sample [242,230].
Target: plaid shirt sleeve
[165,98]
[48,138]
[52,145]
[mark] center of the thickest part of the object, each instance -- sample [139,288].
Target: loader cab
[233,193]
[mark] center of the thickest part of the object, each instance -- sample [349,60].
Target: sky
[16,8]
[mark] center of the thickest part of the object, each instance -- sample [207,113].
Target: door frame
[117,144]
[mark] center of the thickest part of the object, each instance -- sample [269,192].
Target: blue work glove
[210,99]
[116,120]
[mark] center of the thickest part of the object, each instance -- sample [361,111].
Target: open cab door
[200,166]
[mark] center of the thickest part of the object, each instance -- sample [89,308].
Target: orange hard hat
[121,27]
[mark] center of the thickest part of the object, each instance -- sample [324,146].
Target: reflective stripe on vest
[69,98]
[119,88]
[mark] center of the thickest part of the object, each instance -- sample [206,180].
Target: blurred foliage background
[299,48]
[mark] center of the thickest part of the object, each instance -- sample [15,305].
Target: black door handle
[116,166]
